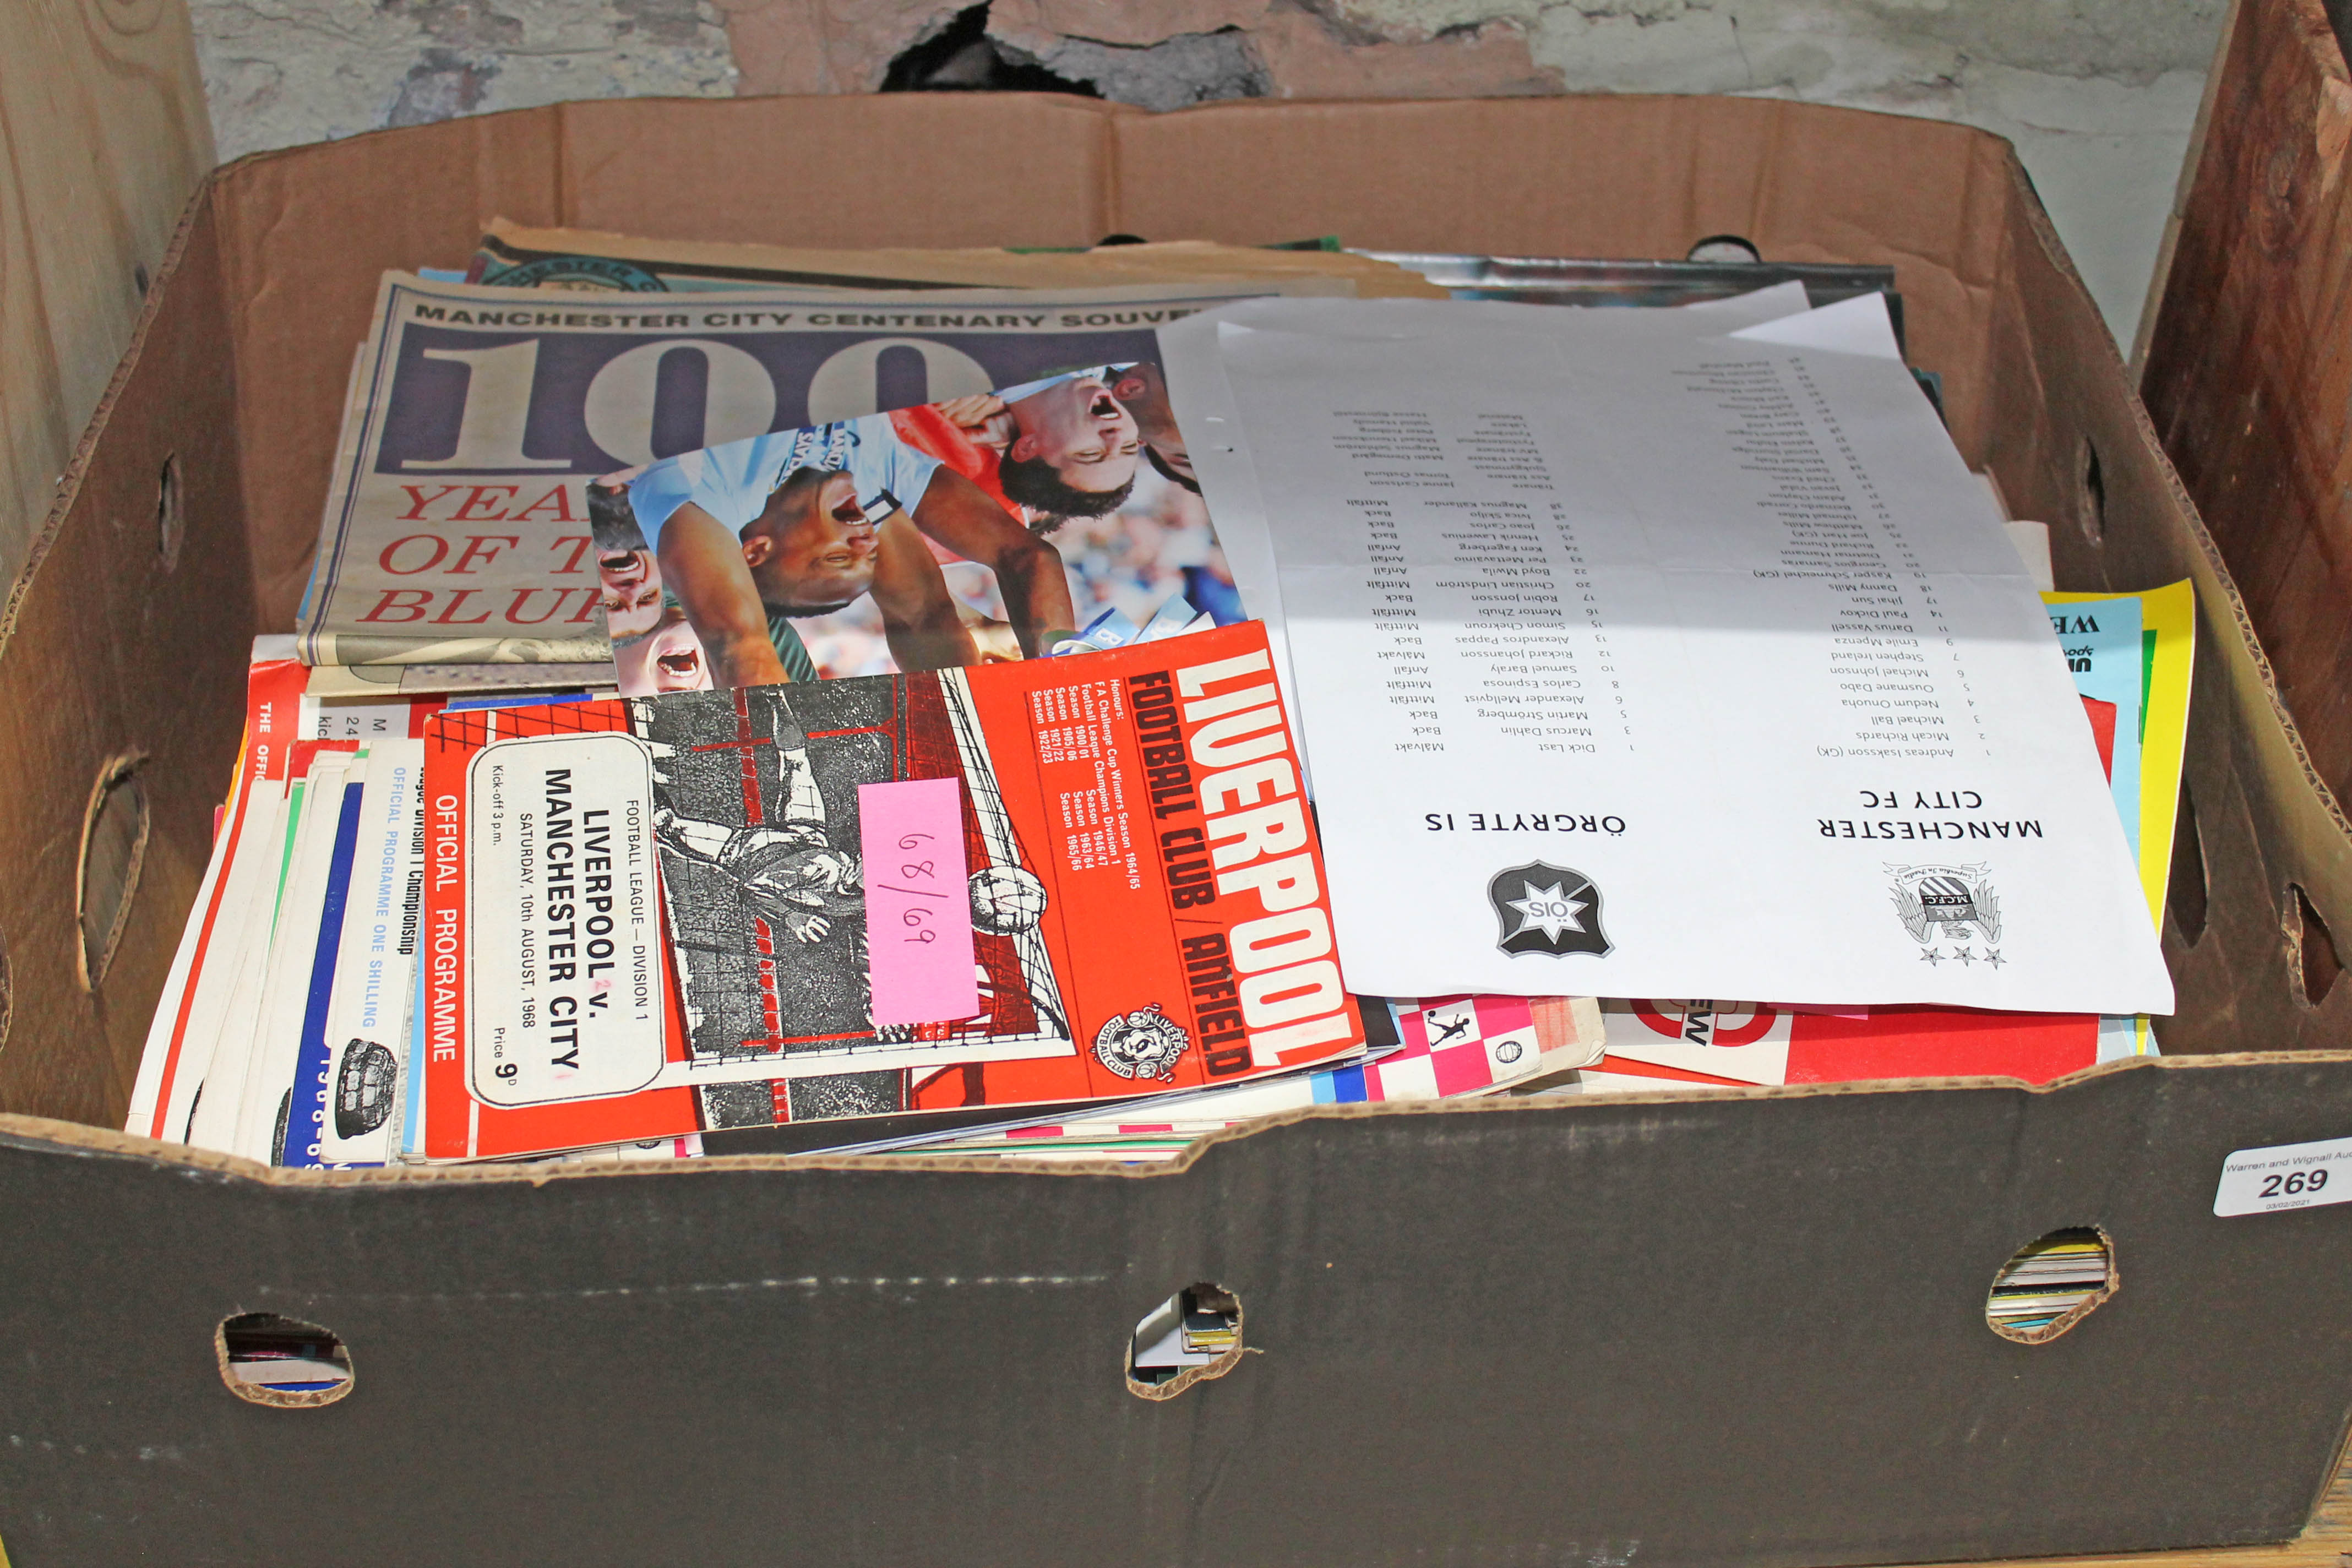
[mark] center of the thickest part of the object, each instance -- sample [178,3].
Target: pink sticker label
[918,905]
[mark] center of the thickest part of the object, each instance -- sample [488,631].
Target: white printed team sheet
[1637,662]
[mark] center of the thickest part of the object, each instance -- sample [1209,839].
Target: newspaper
[457,525]
[1581,281]
[514,255]
[1702,672]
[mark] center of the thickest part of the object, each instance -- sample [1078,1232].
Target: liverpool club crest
[1145,1043]
[1544,909]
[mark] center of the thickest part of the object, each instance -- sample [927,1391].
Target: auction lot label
[2290,1176]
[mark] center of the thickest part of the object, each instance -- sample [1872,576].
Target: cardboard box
[2243,365]
[1732,1327]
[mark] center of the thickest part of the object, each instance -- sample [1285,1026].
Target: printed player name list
[1588,619]
[1486,613]
[1890,677]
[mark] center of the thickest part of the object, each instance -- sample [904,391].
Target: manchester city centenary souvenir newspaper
[457,526]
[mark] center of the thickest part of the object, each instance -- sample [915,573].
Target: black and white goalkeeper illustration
[757,820]
[786,869]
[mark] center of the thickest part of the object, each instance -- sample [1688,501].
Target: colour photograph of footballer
[1048,450]
[961,532]
[803,523]
[669,657]
[629,590]
[1142,391]
[654,648]
[628,582]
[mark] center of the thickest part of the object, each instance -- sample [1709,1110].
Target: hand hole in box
[113,849]
[2091,506]
[1724,248]
[2311,949]
[1191,1336]
[281,1361]
[2051,1285]
[2186,888]
[170,514]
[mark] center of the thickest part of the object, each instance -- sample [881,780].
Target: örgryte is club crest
[1544,908]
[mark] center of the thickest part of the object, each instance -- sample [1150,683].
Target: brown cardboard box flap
[2249,387]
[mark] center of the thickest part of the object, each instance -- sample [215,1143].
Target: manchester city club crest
[1544,909]
[1951,911]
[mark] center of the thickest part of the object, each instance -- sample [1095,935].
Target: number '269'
[2277,1185]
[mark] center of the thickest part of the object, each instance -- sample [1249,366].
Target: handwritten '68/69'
[918,919]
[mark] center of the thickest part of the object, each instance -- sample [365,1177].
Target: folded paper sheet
[1701,669]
